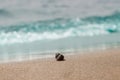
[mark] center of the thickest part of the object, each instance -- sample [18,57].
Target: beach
[86,32]
[91,65]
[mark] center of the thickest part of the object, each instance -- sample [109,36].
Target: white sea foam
[20,37]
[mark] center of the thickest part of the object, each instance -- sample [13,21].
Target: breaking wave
[59,28]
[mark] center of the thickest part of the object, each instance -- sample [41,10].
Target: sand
[96,65]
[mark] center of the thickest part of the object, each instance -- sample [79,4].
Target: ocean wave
[59,28]
[115,17]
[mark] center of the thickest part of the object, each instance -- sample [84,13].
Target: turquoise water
[40,28]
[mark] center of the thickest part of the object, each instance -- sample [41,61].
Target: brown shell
[59,57]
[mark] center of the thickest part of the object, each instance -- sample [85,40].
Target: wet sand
[96,65]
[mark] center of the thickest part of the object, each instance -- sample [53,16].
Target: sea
[31,29]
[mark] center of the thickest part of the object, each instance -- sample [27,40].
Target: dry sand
[97,65]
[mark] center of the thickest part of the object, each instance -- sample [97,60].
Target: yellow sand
[97,65]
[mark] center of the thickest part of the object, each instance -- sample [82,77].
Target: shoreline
[38,56]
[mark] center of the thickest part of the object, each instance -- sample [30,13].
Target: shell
[59,57]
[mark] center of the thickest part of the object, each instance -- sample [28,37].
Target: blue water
[31,28]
